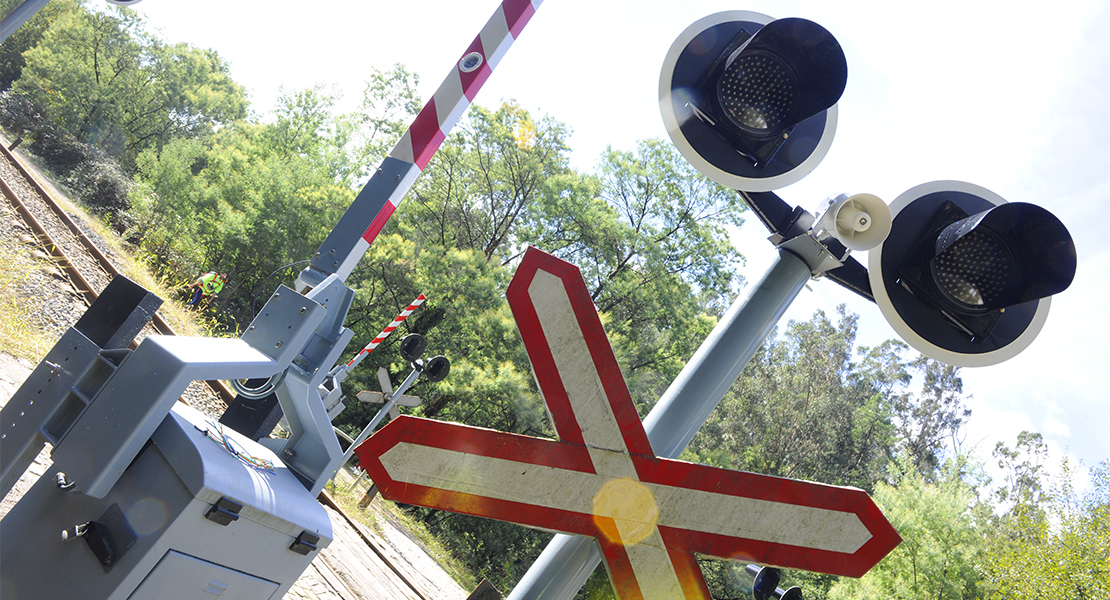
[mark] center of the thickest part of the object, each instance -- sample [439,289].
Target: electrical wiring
[215,432]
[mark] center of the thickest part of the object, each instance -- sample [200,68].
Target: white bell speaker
[860,222]
[123,2]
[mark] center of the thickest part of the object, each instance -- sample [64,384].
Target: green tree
[246,200]
[164,213]
[104,79]
[803,409]
[929,419]
[650,236]
[27,36]
[1023,467]
[1053,542]
[485,180]
[648,232]
[942,540]
[252,197]
[258,215]
[307,127]
[389,103]
[194,90]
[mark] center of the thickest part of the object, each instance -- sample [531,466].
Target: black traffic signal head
[750,101]
[765,584]
[1002,256]
[964,276]
[792,593]
[437,368]
[788,71]
[412,347]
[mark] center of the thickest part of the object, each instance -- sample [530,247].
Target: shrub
[60,151]
[100,184]
[18,113]
[94,177]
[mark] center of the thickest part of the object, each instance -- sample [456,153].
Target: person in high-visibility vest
[206,286]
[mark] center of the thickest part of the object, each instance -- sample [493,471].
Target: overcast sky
[1009,95]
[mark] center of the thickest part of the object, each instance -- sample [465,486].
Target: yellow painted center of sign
[628,506]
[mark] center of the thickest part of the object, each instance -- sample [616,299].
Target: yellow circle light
[629,507]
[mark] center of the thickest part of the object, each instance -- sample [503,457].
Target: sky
[1008,95]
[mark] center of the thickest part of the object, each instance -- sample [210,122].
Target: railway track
[86,264]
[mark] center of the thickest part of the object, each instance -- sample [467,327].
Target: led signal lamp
[750,101]
[765,585]
[965,277]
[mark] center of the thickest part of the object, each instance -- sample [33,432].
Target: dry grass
[380,511]
[18,334]
[183,320]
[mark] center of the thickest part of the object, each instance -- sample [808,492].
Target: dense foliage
[156,137]
[100,77]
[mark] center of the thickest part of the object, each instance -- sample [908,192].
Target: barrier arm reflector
[368,214]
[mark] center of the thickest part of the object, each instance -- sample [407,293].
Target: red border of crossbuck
[662,511]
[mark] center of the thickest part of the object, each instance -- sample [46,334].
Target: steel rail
[85,289]
[88,292]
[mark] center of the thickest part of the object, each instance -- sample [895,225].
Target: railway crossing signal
[751,101]
[964,276]
[602,479]
[386,394]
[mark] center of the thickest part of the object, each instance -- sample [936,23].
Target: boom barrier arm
[368,214]
[158,450]
[309,391]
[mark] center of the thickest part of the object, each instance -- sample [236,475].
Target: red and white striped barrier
[428,131]
[385,332]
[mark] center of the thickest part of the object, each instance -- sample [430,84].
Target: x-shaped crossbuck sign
[602,479]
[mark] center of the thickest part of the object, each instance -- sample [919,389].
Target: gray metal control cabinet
[188,518]
[157,500]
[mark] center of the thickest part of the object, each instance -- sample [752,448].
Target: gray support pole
[366,431]
[19,16]
[566,563]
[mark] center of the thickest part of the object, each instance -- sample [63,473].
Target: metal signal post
[751,103]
